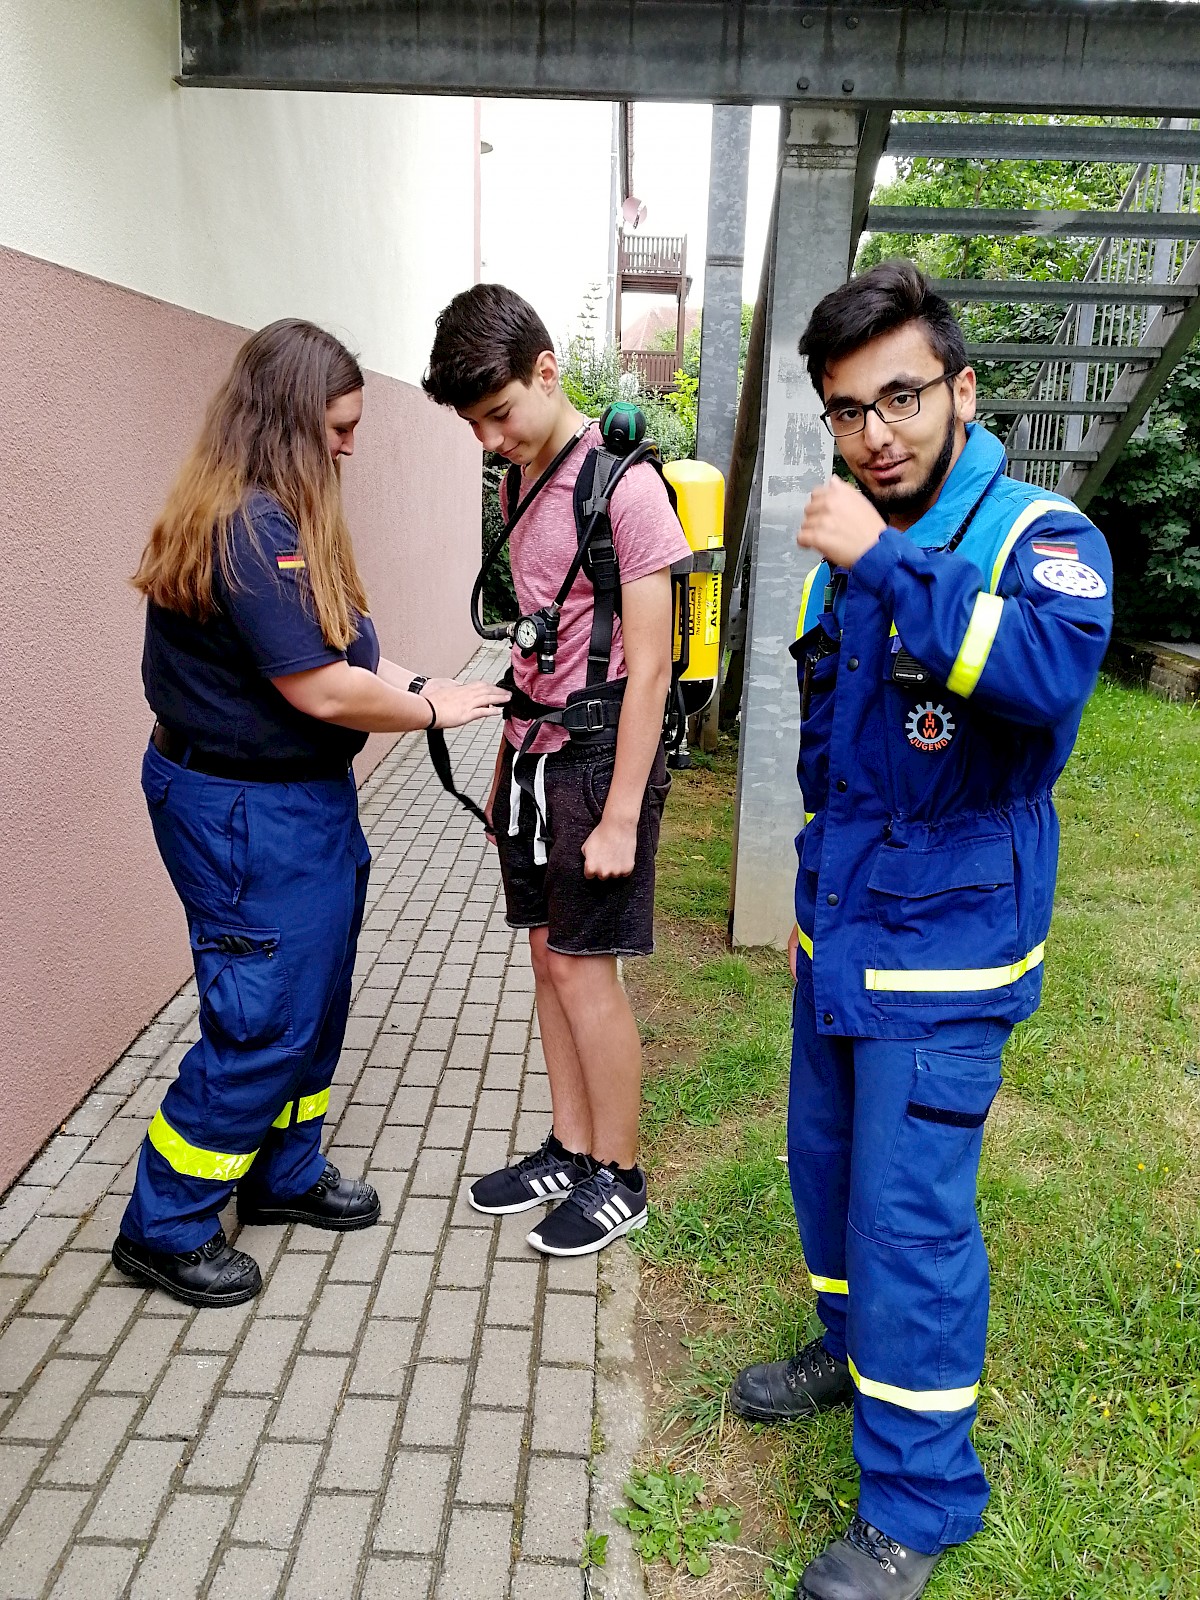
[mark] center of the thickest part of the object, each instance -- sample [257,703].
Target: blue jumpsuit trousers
[273,877]
[884,1138]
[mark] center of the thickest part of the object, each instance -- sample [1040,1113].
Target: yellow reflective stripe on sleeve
[828,1285]
[808,816]
[929,980]
[804,594]
[192,1161]
[1028,514]
[284,1118]
[310,1106]
[805,941]
[915,1399]
[977,644]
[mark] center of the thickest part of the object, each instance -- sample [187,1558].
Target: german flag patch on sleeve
[290,563]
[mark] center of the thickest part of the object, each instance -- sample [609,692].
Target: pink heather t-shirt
[647,536]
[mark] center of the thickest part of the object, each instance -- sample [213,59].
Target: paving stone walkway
[403,1412]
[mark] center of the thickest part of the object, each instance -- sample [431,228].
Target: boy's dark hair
[486,337]
[886,297]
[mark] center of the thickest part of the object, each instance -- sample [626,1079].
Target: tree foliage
[1149,508]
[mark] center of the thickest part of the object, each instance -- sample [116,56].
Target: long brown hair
[264,430]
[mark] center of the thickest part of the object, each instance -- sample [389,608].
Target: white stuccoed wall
[353,210]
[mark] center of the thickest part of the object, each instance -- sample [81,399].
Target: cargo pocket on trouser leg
[247,1026]
[928,1190]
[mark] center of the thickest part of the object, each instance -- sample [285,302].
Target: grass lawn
[1089,1417]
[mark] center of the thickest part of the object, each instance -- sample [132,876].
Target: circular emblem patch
[1071,577]
[929,727]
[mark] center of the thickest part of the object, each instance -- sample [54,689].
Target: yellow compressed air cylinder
[700,492]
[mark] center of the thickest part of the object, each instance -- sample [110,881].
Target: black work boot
[864,1564]
[780,1391]
[341,1204]
[214,1275]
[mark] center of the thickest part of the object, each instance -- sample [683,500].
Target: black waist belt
[177,747]
[590,717]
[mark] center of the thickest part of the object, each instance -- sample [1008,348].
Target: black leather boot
[780,1391]
[864,1564]
[341,1204]
[214,1275]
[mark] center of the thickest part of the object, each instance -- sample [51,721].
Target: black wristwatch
[417,684]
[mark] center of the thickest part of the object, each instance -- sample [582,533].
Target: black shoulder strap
[600,560]
[510,491]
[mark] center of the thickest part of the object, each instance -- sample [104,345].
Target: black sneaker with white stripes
[547,1175]
[595,1213]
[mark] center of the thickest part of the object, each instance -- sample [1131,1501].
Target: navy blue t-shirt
[211,681]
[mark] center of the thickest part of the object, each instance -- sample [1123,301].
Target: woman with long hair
[263,670]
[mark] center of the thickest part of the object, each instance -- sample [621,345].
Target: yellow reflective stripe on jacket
[808,816]
[1028,514]
[284,1119]
[828,1285]
[310,1106]
[804,594]
[193,1161]
[930,980]
[805,941]
[915,1399]
[976,645]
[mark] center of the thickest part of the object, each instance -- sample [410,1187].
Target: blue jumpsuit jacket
[928,859]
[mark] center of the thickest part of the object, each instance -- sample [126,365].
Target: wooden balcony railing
[655,368]
[648,254]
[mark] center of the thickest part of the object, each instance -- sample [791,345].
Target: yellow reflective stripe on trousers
[805,941]
[283,1120]
[192,1161]
[310,1106]
[976,645]
[828,1285]
[915,1399]
[931,980]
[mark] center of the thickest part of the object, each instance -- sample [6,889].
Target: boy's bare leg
[606,1049]
[568,1095]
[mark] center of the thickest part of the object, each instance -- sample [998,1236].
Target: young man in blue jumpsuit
[948,641]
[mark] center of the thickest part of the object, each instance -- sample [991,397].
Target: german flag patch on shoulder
[290,563]
[1064,549]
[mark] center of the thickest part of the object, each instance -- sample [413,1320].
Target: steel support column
[812,243]
[721,329]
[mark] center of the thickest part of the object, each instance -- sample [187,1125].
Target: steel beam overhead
[1049,408]
[1035,224]
[1107,354]
[1079,291]
[1131,56]
[1085,457]
[1017,141]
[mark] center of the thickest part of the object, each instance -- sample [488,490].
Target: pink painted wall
[103,392]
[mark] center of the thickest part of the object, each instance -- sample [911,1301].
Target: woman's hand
[793,949]
[459,703]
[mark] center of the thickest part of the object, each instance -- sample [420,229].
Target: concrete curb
[621,1420]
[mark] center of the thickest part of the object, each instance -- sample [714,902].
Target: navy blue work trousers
[273,878]
[884,1139]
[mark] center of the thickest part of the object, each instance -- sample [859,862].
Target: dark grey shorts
[582,916]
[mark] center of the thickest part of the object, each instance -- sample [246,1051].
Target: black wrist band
[417,684]
[432,715]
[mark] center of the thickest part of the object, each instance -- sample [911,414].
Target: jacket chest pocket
[945,923]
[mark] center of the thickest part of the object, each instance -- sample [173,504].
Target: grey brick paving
[370,1426]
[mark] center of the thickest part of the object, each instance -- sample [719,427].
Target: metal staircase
[1127,320]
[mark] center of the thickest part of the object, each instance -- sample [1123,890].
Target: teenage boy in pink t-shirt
[582,884]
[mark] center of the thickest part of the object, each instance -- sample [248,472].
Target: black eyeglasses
[899,406]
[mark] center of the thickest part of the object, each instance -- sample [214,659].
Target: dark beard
[916,502]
